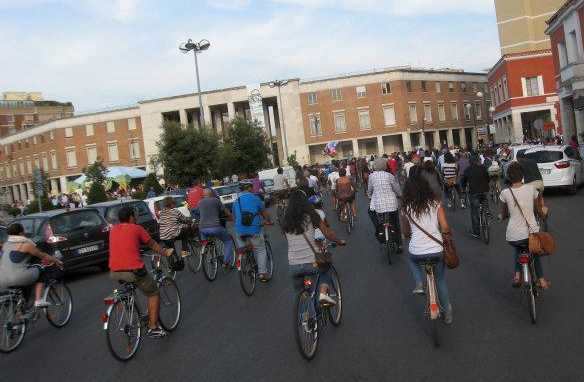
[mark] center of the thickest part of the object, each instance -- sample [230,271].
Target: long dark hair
[298,208]
[418,196]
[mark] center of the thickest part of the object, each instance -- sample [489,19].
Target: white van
[289,173]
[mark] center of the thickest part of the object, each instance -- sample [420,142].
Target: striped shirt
[449,170]
[171,222]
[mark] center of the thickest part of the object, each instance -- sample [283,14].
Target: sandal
[545,285]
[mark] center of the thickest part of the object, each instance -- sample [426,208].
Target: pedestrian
[151,193]
[477,178]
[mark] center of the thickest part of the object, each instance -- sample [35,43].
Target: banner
[256,106]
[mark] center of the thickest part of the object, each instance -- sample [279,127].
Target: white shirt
[280,182]
[318,235]
[421,244]
[407,167]
[517,227]
[348,169]
[333,177]
[312,182]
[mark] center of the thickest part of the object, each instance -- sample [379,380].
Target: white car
[156,204]
[515,149]
[228,194]
[560,166]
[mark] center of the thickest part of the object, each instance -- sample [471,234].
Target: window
[441,112]
[311,98]
[135,149]
[131,123]
[78,221]
[427,112]
[563,54]
[336,94]
[45,161]
[364,120]
[389,115]
[112,151]
[500,90]
[21,167]
[91,154]
[34,140]
[438,87]
[424,86]
[413,113]
[54,163]
[454,111]
[463,86]
[467,111]
[532,86]
[478,110]
[8,172]
[89,130]
[37,162]
[339,117]
[361,91]
[28,166]
[573,53]
[14,169]
[110,127]
[315,126]
[68,132]
[51,135]
[409,86]
[494,96]
[451,87]
[71,156]
[386,88]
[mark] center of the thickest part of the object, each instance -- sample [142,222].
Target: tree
[96,174]
[249,146]
[227,161]
[152,182]
[187,153]
[292,161]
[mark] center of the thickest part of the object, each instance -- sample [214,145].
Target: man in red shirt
[126,264]
[194,196]
[392,165]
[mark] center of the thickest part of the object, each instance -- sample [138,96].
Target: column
[355,147]
[474,137]
[462,138]
[54,187]
[450,138]
[437,143]
[207,111]
[15,193]
[516,128]
[30,188]
[422,139]
[567,119]
[23,195]
[407,142]
[63,184]
[231,111]
[183,117]
[380,148]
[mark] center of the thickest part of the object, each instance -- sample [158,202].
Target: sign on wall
[256,106]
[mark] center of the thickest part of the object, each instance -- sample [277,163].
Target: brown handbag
[451,258]
[540,243]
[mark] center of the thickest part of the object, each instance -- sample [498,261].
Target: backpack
[247,217]
[494,168]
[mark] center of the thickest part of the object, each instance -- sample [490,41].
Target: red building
[566,29]
[523,91]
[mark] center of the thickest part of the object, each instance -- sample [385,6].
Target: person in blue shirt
[251,203]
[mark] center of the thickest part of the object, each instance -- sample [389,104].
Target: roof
[113,203]
[518,55]
[555,16]
[44,214]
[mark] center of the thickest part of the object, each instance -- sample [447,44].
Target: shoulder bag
[247,217]
[540,243]
[323,259]
[451,259]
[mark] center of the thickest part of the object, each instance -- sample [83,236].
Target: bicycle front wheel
[210,262]
[269,260]
[248,274]
[195,258]
[170,306]
[336,311]
[123,330]
[60,307]
[531,304]
[12,330]
[306,326]
[485,229]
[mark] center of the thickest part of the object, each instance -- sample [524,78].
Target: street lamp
[279,84]
[196,47]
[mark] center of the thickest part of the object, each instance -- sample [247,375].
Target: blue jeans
[524,245]
[439,274]
[298,271]
[259,250]
[223,235]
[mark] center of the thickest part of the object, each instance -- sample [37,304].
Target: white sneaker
[419,289]
[326,299]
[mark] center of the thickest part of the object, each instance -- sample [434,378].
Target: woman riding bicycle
[422,207]
[299,224]
[519,204]
[173,225]
[346,190]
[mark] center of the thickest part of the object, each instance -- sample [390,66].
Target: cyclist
[384,191]
[463,164]
[212,211]
[519,204]
[477,178]
[494,169]
[422,206]
[346,191]
[281,184]
[173,226]
[194,196]
[313,182]
[15,270]
[332,179]
[126,265]
[449,173]
[248,212]
[299,225]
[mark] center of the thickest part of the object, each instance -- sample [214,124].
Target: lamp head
[203,45]
[480,94]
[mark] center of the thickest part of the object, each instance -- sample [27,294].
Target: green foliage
[226,164]
[152,182]
[96,172]
[292,161]
[33,207]
[248,147]
[187,153]
[96,193]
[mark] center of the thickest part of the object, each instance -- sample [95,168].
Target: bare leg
[38,291]
[354,207]
[153,310]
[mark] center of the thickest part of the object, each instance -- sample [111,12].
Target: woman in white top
[521,220]
[422,206]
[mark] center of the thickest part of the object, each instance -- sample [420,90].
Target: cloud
[229,4]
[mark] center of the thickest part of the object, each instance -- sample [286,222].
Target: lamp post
[279,84]
[197,47]
[491,112]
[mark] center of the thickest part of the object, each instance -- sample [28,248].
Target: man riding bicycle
[126,264]
[211,211]
[449,174]
[477,178]
[281,185]
[346,192]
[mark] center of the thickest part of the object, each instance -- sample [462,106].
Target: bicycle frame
[433,301]
[527,268]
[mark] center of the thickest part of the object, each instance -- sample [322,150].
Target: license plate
[228,198]
[82,251]
[546,171]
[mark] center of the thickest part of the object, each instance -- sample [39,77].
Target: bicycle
[281,206]
[390,246]
[123,315]
[345,214]
[484,221]
[529,278]
[452,196]
[494,190]
[212,250]
[311,316]
[247,264]
[16,315]
[432,307]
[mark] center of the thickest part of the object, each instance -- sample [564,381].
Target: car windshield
[227,190]
[544,156]
[75,221]
[30,226]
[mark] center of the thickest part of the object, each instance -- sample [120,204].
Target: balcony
[572,71]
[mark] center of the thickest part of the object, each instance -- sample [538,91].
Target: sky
[104,53]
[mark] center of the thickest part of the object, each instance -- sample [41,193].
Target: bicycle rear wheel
[433,322]
[210,262]
[349,218]
[170,306]
[248,273]
[12,330]
[269,260]
[335,292]
[306,326]
[59,311]
[195,259]
[123,330]
[485,228]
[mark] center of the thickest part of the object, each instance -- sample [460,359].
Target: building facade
[522,24]
[567,33]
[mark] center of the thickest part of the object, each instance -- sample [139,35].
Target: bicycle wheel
[59,311]
[210,263]
[348,218]
[248,273]
[531,304]
[170,306]
[269,260]
[280,213]
[452,199]
[13,330]
[433,322]
[165,267]
[391,251]
[335,292]
[306,326]
[485,228]
[195,259]
[123,330]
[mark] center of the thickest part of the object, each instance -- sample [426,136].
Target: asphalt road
[225,336]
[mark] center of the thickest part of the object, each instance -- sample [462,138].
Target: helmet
[314,199]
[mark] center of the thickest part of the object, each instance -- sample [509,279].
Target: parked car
[3,237]
[515,149]
[156,204]
[80,236]
[109,211]
[228,194]
[560,166]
